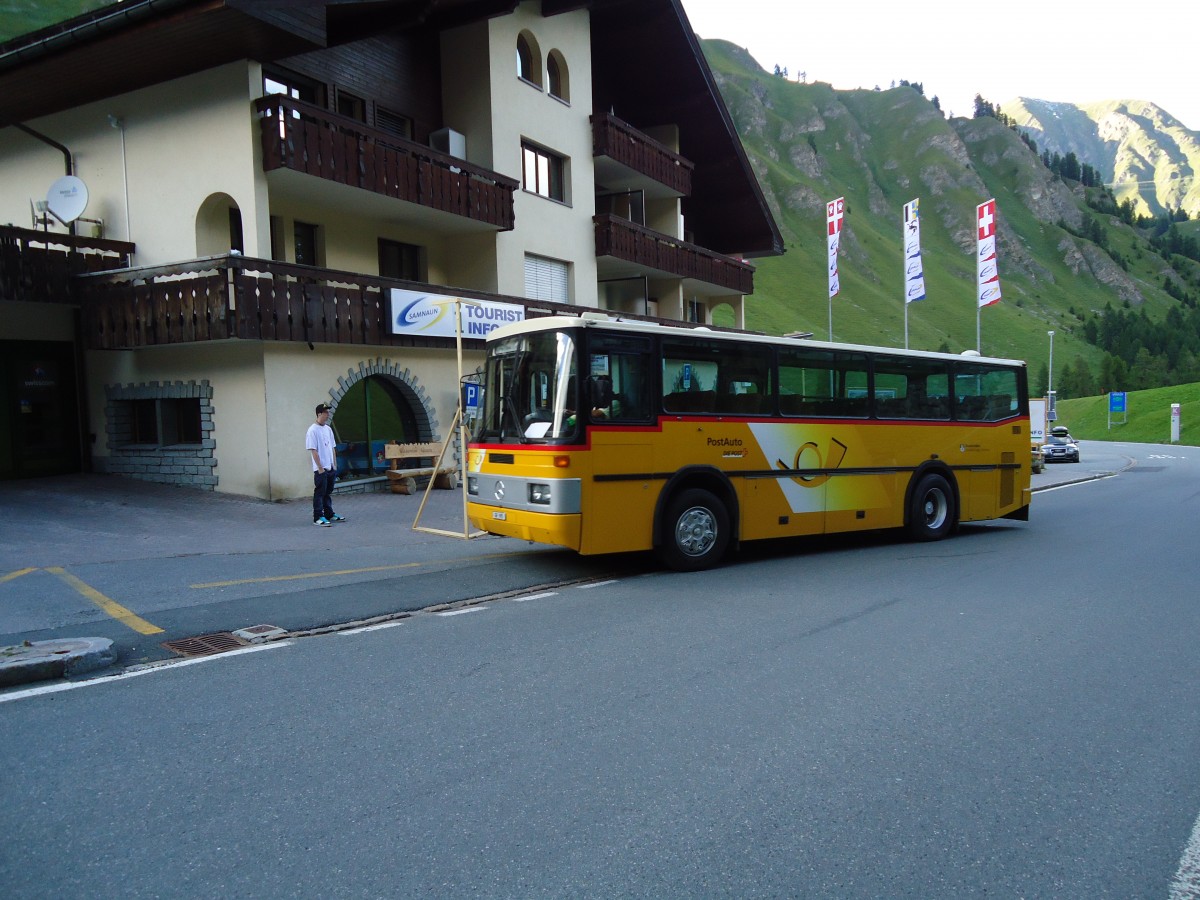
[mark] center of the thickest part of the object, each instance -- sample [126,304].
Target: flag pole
[835,211]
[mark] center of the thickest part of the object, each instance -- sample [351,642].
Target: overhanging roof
[648,68]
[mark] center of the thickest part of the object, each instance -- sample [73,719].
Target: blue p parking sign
[471,398]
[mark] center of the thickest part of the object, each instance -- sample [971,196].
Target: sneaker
[336,518]
[323,522]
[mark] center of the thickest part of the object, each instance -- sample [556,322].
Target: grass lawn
[1148,415]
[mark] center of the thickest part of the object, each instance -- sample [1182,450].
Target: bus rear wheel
[695,531]
[931,512]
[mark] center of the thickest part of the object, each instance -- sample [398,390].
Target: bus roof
[596,319]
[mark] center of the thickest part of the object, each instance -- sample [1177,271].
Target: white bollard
[1174,423]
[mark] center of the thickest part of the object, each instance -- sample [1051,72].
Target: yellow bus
[607,436]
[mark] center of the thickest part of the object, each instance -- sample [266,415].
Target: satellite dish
[67,199]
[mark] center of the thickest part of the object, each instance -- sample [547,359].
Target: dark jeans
[322,488]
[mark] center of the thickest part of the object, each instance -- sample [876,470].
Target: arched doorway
[371,413]
[377,403]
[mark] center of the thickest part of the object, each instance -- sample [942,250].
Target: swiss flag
[835,210]
[986,223]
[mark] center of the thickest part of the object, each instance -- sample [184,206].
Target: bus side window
[985,393]
[619,390]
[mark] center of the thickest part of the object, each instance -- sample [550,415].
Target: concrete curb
[42,660]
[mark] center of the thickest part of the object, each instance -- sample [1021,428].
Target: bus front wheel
[931,514]
[695,531]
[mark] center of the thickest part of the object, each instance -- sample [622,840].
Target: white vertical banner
[987,275]
[835,211]
[914,271]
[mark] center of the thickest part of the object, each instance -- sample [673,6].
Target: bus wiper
[515,415]
[510,406]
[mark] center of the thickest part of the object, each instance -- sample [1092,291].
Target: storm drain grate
[205,644]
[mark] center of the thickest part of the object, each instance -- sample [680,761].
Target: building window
[557,76]
[298,88]
[546,279]
[164,422]
[393,123]
[236,241]
[306,244]
[397,260]
[529,60]
[543,172]
[351,107]
[697,312]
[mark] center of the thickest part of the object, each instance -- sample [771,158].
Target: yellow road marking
[114,609]
[17,574]
[302,575]
[212,584]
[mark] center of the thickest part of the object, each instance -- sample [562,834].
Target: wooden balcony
[38,266]
[652,250]
[237,297]
[639,153]
[308,139]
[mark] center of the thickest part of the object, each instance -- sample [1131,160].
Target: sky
[1064,52]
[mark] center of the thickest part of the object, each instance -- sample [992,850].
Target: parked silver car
[1060,449]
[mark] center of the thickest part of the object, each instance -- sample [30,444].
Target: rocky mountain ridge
[1143,152]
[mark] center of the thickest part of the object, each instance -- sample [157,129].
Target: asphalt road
[144,564]
[1008,713]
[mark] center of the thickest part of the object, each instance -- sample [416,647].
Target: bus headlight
[472,484]
[539,493]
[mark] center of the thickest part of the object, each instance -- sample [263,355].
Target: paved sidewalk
[75,520]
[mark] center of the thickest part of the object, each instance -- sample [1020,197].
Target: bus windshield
[531,389]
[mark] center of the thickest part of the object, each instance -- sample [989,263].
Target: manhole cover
[205,644]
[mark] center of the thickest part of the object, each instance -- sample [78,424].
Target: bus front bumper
[562,529]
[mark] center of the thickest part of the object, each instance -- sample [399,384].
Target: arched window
[529,59]
[557,77]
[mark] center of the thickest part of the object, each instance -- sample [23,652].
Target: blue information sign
[1116,401]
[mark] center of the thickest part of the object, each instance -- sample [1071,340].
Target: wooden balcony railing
[637,244]
[308,139]
[621,142]
[38,266]
[230,296]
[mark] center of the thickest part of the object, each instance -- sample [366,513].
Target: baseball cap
[322,407]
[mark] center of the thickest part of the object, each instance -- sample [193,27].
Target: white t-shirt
[320,438]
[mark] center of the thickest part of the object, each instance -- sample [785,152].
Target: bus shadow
[814,545]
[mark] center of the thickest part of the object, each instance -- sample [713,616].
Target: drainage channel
[224,641]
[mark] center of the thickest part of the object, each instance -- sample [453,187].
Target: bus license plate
[501,516]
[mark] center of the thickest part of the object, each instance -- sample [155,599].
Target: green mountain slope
[880,149]
[1147,155]
[19,17]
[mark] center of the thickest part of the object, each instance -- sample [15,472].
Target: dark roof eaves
[731,129]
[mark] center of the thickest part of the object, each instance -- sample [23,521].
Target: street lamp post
[1050,381]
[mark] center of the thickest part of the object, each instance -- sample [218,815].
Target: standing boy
[320,445]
